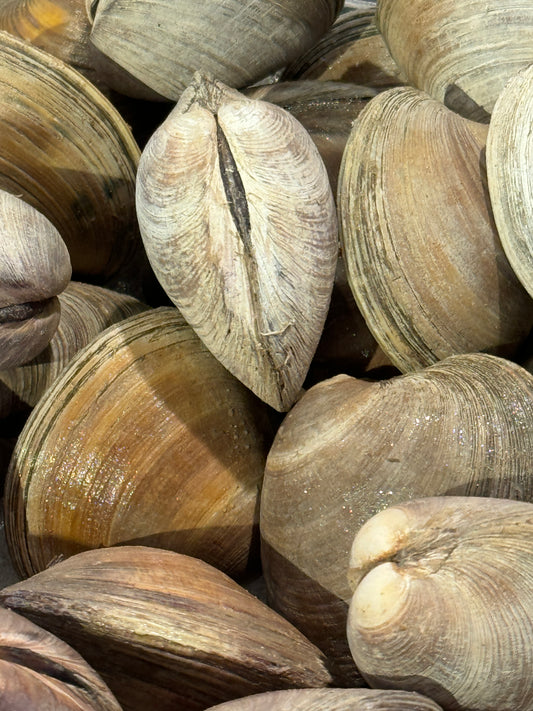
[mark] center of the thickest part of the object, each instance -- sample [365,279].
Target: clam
[86,310]
[423,255]
[237,43]
[145,438]
[166,631]
[67,152]
[443,601]
[351,447]
[34,269]
[238,220]
[509,159]
[39,671]
[331,700]
[459,53]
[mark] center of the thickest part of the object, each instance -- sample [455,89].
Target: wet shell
[443,601]
[239,223]
[509,160]
[459,53]
[67,152]
[34,269]
[145,438]
[350,448]
[331,700]
[86,310]
[423,255]
[167,631]
[38,671]
[235,42]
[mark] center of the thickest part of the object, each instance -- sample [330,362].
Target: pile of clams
[266,329]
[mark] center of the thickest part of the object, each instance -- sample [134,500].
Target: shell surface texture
[443,601]
[351,447]
[238,219]
[423,255]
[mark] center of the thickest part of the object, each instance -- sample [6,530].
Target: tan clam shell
[39,671]
[167,631]
[443,601]
[86,310]
[68,152]
[422,253]
[351,447]
[34,269]
[235,42]
[330,700]
[510,178]
[239,223]
[462,54]
[145,438]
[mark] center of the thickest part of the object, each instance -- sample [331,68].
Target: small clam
[351,447]
[239,223]
[144,438]
[39,671]
[459,52]
[34,269]
[443,601]
[423,255]
[166,631]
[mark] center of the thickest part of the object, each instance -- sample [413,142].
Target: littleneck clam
[39,671]
[144,438]
[422,252]
[459,52]
[239,223]
[34,269]
[351,447]
[443,601]
[509,160]
[167,631]
[238,43]
[68,152]
[331,700]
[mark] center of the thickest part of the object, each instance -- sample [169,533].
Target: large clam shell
[443,601]
[145,438]
[235,42]
[351,447]
[510,178]
[34,269]
[167,631]
[238,220]
[459,53]
[39,671]
[423,255]
[68,152]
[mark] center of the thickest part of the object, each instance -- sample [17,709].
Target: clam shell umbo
[351,447]
[423,255]
[239,223]
[167,631]
[443,601]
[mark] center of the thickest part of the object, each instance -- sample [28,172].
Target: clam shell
[38,671]
[239,223]
[34,269]
[459,53]
[350,448]
[165,630]
[509,160]
[145,39]
[423,255]
[331,700]
[443,601]
[145,438]
[67,152]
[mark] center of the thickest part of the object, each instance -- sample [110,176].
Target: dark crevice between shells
[43,665]
[22,312]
